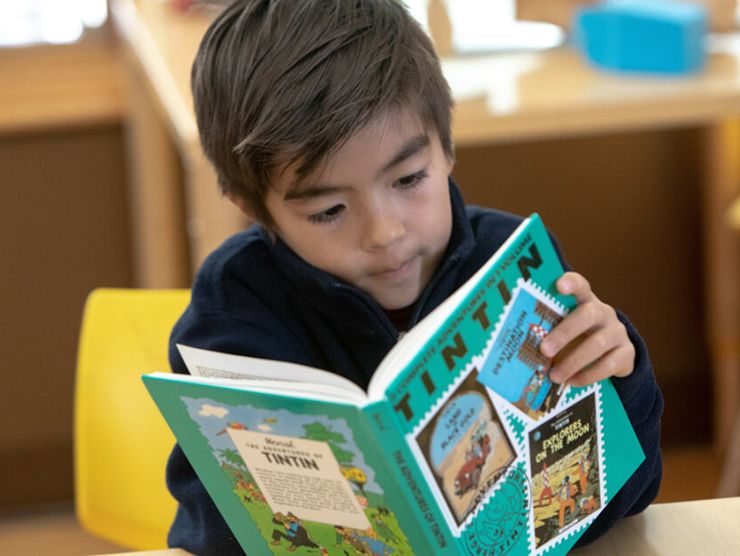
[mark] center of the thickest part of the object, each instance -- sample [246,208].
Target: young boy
[328,122]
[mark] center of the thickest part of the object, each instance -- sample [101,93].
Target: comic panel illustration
[566,471]
[514,367]
[302,479]
[466,448]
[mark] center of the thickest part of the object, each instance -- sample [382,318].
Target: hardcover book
[460,446]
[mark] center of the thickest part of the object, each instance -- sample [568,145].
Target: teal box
[643,36]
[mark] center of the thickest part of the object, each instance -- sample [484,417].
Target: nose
[384,226]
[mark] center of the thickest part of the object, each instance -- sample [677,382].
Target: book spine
[410,484]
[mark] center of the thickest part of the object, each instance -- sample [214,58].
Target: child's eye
[412,180]
[326,215]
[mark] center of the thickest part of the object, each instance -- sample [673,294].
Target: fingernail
[548,348]
[554,376]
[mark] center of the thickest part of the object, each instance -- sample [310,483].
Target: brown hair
[278,82]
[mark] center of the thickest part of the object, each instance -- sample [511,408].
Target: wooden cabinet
[63,231]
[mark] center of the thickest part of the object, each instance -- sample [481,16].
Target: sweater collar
[322,289]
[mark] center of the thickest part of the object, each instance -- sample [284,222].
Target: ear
[240,202]
[450,163]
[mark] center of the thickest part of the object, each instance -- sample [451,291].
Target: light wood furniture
[705,527]
[170,552]
[60,87]
[721,12]
[677,529]
[50,529]
[160,45]
[729,482]
[500,99]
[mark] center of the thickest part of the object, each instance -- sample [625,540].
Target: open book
[461,445]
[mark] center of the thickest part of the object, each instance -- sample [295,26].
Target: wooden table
[705,527]
[710,527]
[500,99]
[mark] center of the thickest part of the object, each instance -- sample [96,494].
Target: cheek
[435,216]
[330,254]
[307,243]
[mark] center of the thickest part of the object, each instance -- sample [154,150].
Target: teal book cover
[462,444]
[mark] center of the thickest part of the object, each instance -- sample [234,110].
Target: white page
[207,363]
[307,390]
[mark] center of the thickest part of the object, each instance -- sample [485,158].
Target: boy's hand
[590,343]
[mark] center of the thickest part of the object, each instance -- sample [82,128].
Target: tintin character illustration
[293,532]
[466,447]
[515,368]
[564,452]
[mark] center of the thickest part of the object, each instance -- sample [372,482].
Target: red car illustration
[469,474]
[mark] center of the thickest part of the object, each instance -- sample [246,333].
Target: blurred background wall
[63,231]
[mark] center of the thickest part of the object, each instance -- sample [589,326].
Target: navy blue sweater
[254,296]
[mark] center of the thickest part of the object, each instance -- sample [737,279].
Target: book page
[276,387]
[206,363]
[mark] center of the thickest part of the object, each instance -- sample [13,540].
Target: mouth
[396,271]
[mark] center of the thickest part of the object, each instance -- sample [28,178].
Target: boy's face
[377,214]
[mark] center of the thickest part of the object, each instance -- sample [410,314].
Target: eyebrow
[410,148]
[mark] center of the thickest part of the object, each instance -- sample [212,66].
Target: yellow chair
[121,440]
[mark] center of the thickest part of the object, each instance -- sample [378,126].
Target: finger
[618,362]
[575,284]
[590,350]
[581,320]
